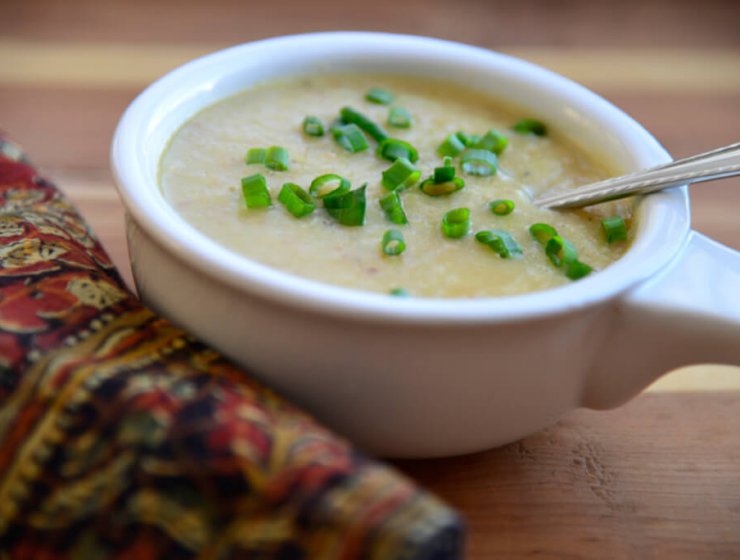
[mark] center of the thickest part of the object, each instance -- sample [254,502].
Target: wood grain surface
[656,478]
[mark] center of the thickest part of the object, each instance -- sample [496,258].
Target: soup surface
[202,168]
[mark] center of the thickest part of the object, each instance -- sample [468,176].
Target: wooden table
[657,478]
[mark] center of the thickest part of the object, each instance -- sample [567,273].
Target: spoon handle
[715,164]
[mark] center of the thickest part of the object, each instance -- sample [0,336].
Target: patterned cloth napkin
[123,437]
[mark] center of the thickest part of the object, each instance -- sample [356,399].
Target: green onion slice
[500,241]
[393,243]
[399,117]
[399,292]
[297,201]
[542,233]
[313,126]
[468,140]
[478,162]
[614,228]
[393,148]
[530,126]
[456,223]
[391,205]
[256,194]
[374,130]
[430,187]
[327,184]
[493,141]
[577,270]
[444,173]
[502,206]
[400,175]
[451,146]
[350,137]
[348,208]
[561,251]
[255,155]
[380,96]
[276,158]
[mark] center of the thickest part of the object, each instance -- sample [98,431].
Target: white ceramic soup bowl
[412,377]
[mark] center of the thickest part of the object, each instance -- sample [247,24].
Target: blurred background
[68,69]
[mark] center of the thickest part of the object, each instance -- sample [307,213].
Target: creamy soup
[202,168]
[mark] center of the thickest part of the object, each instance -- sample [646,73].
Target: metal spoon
[715,164]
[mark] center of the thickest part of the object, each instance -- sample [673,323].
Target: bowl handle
[688,313]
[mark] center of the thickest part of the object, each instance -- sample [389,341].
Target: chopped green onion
[327,184]
[456,223]
[468,140]
[502,206]
[380,96]
[374,130]
[297,201]
[500,241]
[561,251]
[393,243]
[478,162]
[400,175]
[614,228]
[492,141]
[430,187]
[399,292]
[350,137]
[255,155]
[255,191]
[348,208]
[444,173]
[393,148]
[399,117]
[391,205]
[313,126]
[542,233]
[577,270]
[443,181]
[276,158]
[451,146]
[530,126]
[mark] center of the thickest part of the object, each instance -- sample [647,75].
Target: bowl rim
[664,219]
